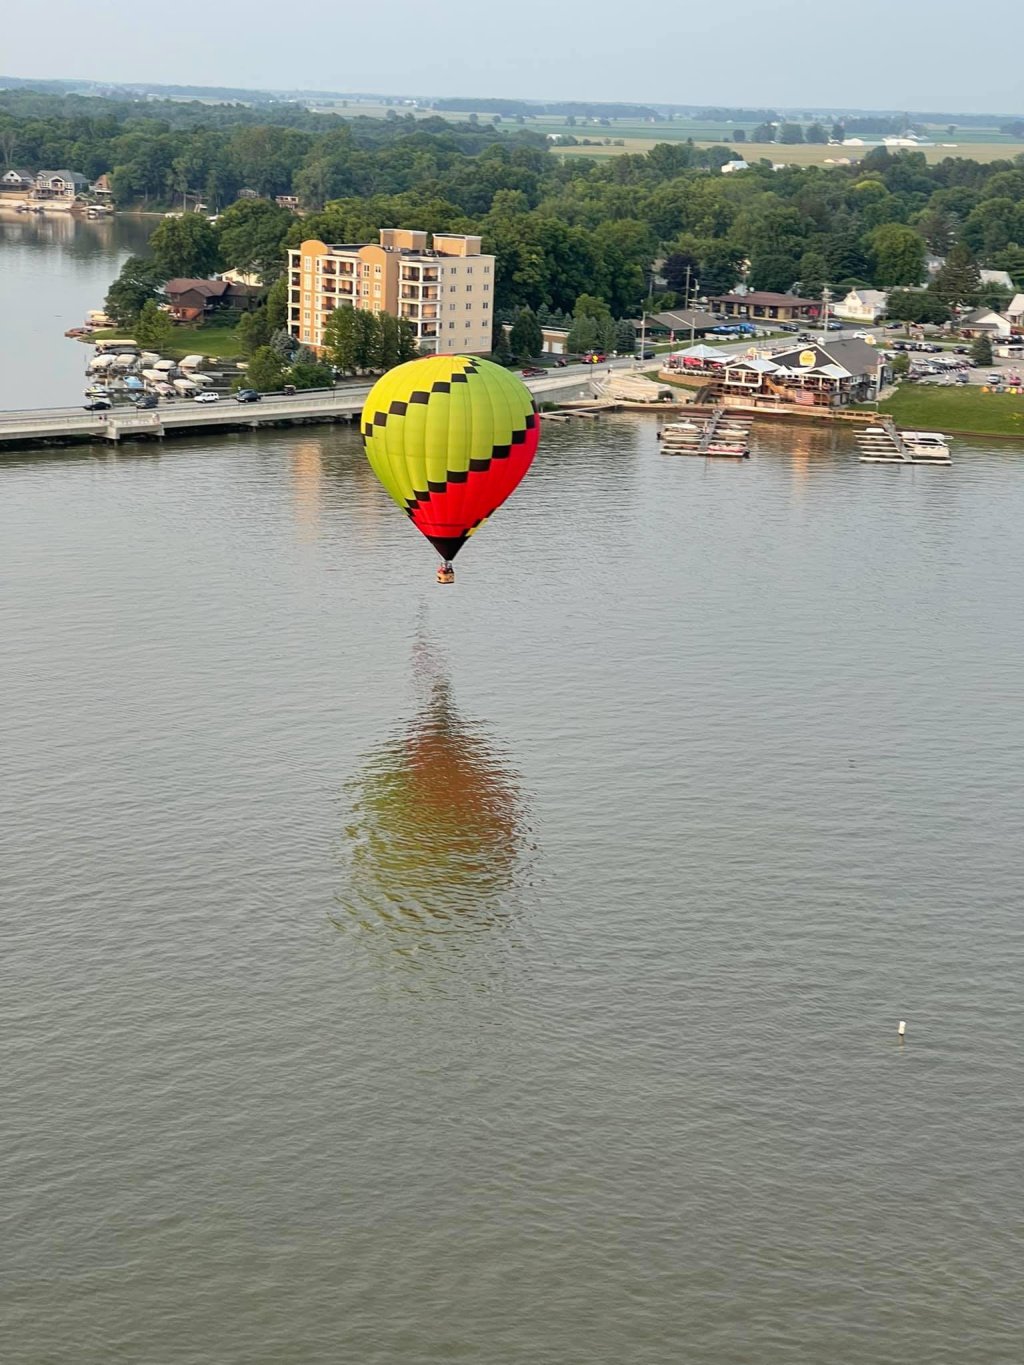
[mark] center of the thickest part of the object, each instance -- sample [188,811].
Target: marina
[886,444]
[723,435]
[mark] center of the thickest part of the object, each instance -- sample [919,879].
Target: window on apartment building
[469,307]
[451,326]
[469,270]
[451,308]
[487,288]
[305,334]
[487,269]
[366,270]
[376,269]
[485,304]
[451,289]
[305,316]
[376,290]
[306,298]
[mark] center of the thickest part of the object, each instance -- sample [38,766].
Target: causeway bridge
[44,426]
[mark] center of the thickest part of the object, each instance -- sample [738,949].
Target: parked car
[98,405]
[834,326]
[248,396]
[788,327]
[561,363]
[645,353]
[961,350]
[148,400]
[206,397]
[532,371]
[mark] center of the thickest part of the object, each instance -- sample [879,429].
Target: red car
[531,372]
[595,358]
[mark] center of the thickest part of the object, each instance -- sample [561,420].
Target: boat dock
[886,444]
[723,435]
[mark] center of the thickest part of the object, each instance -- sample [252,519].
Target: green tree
[958,280]
[898,253]
[341,340]
[386,351]
[901,365]
[587,306]
[367,332]
[791,133]
[916,306]
[625,337]
[137,283]
[154,328]
[253,331]
[265,372]
[311,374]
[814,274]
[185,246]
[773,270]
[583,336]
[525,338]
[981,350]
[277,305]
[501,351]
[816,133]
[408,347]
[251,236]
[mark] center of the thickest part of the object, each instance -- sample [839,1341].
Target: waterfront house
[287,201]
[101,187]
[17,179]
[58,184]
[862,305]
[191,300]
[761,305]
[1015,311]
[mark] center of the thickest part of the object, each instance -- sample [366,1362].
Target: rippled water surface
[510,972]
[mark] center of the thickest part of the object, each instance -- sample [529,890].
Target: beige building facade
[444,289]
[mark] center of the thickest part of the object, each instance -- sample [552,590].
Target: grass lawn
[966,410]
[214,338]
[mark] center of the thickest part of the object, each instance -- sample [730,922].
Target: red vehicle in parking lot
[595,358]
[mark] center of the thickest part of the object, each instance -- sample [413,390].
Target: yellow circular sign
[807,357]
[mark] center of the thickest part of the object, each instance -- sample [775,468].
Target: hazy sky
[899,54]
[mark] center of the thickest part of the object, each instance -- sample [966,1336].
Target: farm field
[805,155]
[637,136]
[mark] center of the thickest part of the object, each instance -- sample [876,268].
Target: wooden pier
[723,435]
[886,444]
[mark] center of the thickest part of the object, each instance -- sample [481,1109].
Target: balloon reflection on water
[438,844]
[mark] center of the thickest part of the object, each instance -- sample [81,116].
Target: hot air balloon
[449,437]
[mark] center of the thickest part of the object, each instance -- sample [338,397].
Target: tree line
[628,230]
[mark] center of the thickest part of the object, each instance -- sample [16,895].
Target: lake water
[511,972]
[53,269]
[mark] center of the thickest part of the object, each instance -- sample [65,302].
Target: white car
[206,397]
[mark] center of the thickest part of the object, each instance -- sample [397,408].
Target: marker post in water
[901,1031]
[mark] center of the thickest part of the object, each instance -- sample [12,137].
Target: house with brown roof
[191,300]
[761,305]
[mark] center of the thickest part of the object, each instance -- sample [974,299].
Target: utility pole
[825,299]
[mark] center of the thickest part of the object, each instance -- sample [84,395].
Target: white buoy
[902,1028]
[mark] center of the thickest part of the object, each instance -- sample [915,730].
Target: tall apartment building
[445,290]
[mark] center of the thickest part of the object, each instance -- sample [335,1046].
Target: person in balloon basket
[446,573]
